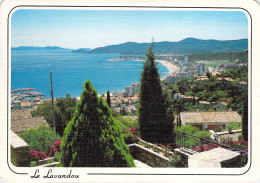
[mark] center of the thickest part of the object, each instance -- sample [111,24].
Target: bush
[37,155]
[176,161]
[130,136]
[125,123]
[33,163]
[40,139]
[64,110]
[191,142]
[188,129]
[203,134]
[233,126]
[55,148]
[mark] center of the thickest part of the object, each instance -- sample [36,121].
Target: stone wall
[20,151]
[147,156]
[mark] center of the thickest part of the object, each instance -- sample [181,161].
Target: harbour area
[26,98]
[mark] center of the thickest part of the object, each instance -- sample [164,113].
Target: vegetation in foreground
[155,120]
[92,138]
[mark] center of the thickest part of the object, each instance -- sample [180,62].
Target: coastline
[170,66]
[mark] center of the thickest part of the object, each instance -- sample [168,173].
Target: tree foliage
[245,118]
[108,99]
[156,122]
[92,138]
[64,110]
[40,139]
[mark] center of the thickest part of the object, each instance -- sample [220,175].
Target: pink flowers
[133,131]
[55,148]
[240,144]
[205,147]
[37,155]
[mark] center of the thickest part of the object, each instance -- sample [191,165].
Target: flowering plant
[55,148]
[239,144]
[37,155]
[130,135]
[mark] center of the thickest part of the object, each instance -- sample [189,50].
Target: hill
[47,48]
[186,46]
[82,50]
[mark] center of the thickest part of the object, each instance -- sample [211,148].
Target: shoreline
[170,66]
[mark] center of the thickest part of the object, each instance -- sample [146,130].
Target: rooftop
[224,103]
[229,79]
[210,117]
[24,104]
[215,73]
[21,119]
[204,102]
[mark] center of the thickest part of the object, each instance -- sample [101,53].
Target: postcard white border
[89,173]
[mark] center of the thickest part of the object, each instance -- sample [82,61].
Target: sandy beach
[171,67]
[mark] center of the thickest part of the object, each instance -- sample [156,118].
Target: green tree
[245,117]
[154,122]
[64,110]
[108,99]
[92,138]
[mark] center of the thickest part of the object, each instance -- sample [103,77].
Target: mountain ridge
[185,46]
[39,48]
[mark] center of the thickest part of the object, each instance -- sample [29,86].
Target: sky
[96,28]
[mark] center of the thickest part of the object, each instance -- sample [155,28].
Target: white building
[201,69]
[186,61]
[132,89]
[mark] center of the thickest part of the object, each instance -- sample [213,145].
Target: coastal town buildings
[172,79]
[132,89]
[242,84]
[201,69]
[202,79]
[205,104]
[222,106]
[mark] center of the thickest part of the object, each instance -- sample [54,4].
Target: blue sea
[71,70]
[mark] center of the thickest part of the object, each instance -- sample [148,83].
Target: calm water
[71,70]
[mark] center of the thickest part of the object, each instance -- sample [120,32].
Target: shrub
[233,126]
[203,134]
[130,136]
[125,123]
[64,110]
[33,163]
[40,139]
[188,129]
[37,155]
[55,148]
[176,161]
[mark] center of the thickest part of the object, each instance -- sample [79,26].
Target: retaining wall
[20,151]
[147,156]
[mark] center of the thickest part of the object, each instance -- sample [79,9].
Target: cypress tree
[108,99]
[92,138]
[155,124]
